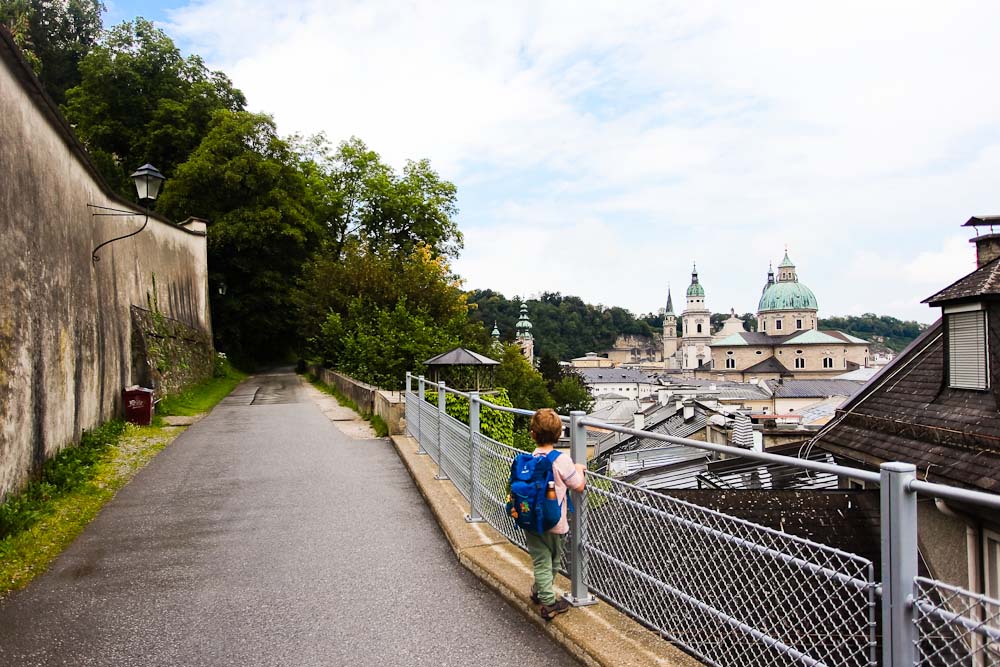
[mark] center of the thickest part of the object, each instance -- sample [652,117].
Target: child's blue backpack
[529,480]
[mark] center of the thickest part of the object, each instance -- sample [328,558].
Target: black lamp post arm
[121,214]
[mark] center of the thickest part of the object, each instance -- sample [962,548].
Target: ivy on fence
[492,423]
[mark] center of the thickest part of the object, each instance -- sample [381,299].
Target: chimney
[987,249]
[987,245]
[662,396]
[640,421]
[688,411]
[712,387]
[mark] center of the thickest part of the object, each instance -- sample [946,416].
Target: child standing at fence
[546,549]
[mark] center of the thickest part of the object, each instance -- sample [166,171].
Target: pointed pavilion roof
[460,357]
[670,303]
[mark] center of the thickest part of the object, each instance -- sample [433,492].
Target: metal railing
[727,590]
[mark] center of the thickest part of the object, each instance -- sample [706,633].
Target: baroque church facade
[788,342]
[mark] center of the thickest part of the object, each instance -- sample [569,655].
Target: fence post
[473,516]
[579,594]
[899,564]
[442,404]
[420,406]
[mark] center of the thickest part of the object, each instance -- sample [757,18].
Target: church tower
[496,345]
[523,336]
[669,334]
[697,327]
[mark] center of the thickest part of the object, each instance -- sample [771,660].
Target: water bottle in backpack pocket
[532,502]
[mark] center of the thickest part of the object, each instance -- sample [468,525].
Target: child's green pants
[546,556]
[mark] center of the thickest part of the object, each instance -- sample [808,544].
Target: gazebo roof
[461,357]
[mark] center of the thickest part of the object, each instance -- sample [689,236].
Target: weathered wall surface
[65,325]
[167,354]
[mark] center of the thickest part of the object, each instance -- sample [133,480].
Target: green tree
[524,384]
[377,316]
[570,393]
[248,183]
[54,35]
[365,199]
[139,100]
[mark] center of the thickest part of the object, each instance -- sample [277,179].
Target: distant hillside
[565,327]
[895,334]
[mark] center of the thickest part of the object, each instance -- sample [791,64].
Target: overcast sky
[599,150]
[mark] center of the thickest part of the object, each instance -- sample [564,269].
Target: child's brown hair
[546,426]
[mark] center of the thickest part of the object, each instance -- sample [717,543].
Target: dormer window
[967,360]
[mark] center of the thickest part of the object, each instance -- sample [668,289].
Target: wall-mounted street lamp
[147,184]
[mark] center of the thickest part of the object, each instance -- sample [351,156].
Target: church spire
[670,302]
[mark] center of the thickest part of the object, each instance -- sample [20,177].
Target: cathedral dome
[695,289]
[787,296]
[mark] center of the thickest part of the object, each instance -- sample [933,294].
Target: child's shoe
[550,611]
[534,595]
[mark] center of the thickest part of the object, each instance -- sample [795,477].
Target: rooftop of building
[908,413]
[983,282]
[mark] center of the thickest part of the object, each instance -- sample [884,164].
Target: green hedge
[492,423]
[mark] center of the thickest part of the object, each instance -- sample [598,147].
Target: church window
[827,362]
[763,325]
[967,363]
[800,362]
[759,352]
[730,363]
[798,324]
[699,327]
[730,353]
[777,324]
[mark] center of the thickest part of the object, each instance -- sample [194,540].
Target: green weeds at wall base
[202,396]
[38,523]
[45,518]
[378,424]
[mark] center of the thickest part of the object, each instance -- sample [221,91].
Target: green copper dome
[787,296]
[695,289]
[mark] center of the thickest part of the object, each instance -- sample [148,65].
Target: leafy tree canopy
[54,36]
[360,197]
[139,101]
[247,182]
[564,326]
[525,386]
[377,316]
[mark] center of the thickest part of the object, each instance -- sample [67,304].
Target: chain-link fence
[955,627]
[730,591]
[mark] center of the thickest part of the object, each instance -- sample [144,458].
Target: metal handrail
[903,614]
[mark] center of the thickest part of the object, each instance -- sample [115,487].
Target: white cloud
[636,138]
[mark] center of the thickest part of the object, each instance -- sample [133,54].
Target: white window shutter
[967,363]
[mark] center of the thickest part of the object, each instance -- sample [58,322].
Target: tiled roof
[460,357]
[984,281]
[617,375]
[905,413]
[814,388]
[813,336]
[769,365]
[807,337]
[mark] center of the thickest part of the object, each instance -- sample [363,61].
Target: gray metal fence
[729,591]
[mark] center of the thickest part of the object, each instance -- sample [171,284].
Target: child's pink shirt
[562,470]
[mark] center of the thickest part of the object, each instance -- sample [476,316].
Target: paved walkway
[265,536]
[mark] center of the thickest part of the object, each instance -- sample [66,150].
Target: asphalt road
[264,536]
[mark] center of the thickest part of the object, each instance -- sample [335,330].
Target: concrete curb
[598,635]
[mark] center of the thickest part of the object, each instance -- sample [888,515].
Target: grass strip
[378,424]
[38,523]
[203,396]
[47,516]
